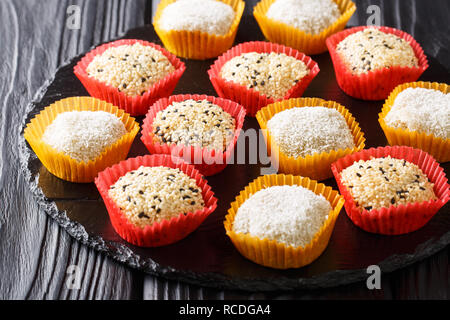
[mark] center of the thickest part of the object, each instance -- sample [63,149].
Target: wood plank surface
[35,252]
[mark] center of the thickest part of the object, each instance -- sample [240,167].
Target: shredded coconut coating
[132,69]
[154,194]
[194,123]
[422,110]
[309,130]
[288,214]
[210,16]
[384,182]
[272,74]
[83,135]
[310,16]
[372,49]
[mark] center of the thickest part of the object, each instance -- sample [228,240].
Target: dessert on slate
[155,200]
[131,74]
[370,62]
[198,29]
[391,190]
[371,49]
[383,182]
[153,194]
[83,135]
[303,24]
[132,69]
[291,215]
[272,74]
[209,16]
[305,136]
[258,73]
[417,114]
[75,138]
[198,123]
[304,131]
[283,221]
[203,130]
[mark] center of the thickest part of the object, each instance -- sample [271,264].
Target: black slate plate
[207,257]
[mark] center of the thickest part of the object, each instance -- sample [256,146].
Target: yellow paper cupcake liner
[316,166]
[63,166]
[287,35]
[271,253]
[195,44]
[439,148]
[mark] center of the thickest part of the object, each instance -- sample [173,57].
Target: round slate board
[207,257]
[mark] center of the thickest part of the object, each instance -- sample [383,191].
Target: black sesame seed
[358,175]
[422,188]
[141,192]
[263,83]
[129,199]
[143,79]
[186,197]
[368,208]
[143,215]
[393,200]
[386,179]
[158,211]
[279,65]
[193,203]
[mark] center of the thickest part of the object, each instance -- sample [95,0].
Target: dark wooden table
[35,252]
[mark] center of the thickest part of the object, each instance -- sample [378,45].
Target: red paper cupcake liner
[403,218]
[251,99]
[167,231]
[208,162]
[377,84]
[134,105]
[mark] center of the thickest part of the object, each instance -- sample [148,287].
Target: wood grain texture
[35,252]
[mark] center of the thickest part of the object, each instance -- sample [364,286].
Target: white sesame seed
[272,74]
[382,182]
[153,194]
[133,69]
[372,49]
[194,123]
[422,110]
